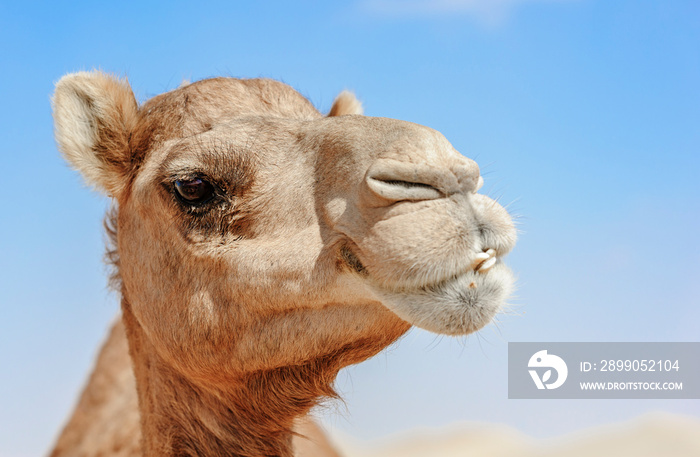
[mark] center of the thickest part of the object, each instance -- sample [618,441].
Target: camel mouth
[461,304]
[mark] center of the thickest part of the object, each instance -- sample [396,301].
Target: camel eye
[194,190]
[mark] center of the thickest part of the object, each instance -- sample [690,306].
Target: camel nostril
[397,190]
[396,181]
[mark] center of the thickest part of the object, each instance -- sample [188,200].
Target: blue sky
[584,116]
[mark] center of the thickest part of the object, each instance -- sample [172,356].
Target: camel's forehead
[198,107]
[233,97]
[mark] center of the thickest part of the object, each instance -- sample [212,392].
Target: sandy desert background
[652,435]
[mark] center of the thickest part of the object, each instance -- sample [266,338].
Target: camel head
[252,232]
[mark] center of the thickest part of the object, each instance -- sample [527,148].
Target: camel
[259,247]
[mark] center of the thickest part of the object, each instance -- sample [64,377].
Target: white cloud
[490,12]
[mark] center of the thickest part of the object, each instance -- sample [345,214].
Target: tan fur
[106,419]
[325,238]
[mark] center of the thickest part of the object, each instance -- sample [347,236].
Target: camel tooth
[486,266]
[491,252]
[479,259]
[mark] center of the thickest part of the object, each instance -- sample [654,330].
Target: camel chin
[459,305]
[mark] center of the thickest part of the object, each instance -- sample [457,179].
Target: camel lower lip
[458,306]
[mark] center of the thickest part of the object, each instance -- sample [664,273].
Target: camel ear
[94,115]
[345,103]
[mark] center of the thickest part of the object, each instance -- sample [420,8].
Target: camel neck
[252,417]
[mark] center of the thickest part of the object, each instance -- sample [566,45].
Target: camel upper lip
[479,267]
[481,263]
